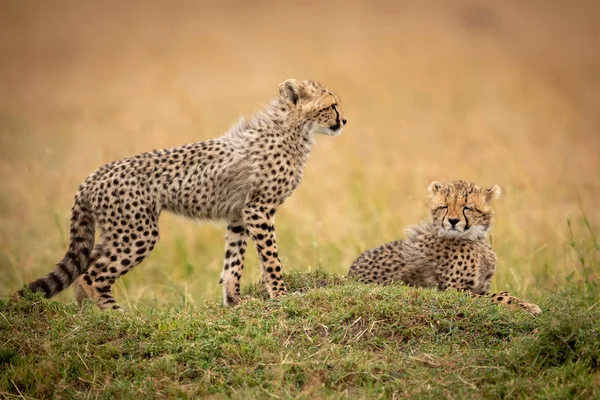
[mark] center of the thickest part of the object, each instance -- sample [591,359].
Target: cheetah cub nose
[344,120]
[453,221]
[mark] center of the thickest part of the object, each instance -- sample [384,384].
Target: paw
[231,300]
[277,294]
[110,307]
[236,300]
[533,309]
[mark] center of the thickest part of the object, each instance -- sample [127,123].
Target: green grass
[333,338]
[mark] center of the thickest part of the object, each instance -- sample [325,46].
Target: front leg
[260,221]
[233,265]
[511,301]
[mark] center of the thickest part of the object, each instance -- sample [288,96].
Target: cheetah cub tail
[77,259]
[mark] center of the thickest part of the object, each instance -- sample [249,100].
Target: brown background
[499,92]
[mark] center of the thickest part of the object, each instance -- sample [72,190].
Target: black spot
[237,229]
[125,262]
[103,289]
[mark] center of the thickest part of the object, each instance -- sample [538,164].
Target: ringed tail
[77,259]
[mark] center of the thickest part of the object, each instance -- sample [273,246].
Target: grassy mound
[338,339]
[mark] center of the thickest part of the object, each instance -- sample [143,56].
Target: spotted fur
[450,250]
[241,177]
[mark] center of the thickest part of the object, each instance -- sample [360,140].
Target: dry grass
[499,93]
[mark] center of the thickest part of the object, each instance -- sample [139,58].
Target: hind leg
[96,283]
[79,285]
[78,291]
[513,302]
[508,300]
[118,252]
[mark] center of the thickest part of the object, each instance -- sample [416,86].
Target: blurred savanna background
[504,92]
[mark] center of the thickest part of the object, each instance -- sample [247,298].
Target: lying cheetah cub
[451,250]
[241,177]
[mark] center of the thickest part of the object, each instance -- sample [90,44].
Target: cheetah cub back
[450,250]
[241,177]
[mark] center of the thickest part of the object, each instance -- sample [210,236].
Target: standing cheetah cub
[451,250]
[241,177]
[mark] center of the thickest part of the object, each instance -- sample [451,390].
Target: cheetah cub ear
[435,187]
[291,90]
[493,193]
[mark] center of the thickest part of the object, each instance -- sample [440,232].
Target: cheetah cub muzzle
[450,250]
[242,177]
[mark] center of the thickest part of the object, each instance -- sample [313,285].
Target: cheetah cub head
[462,209]
[316,106]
